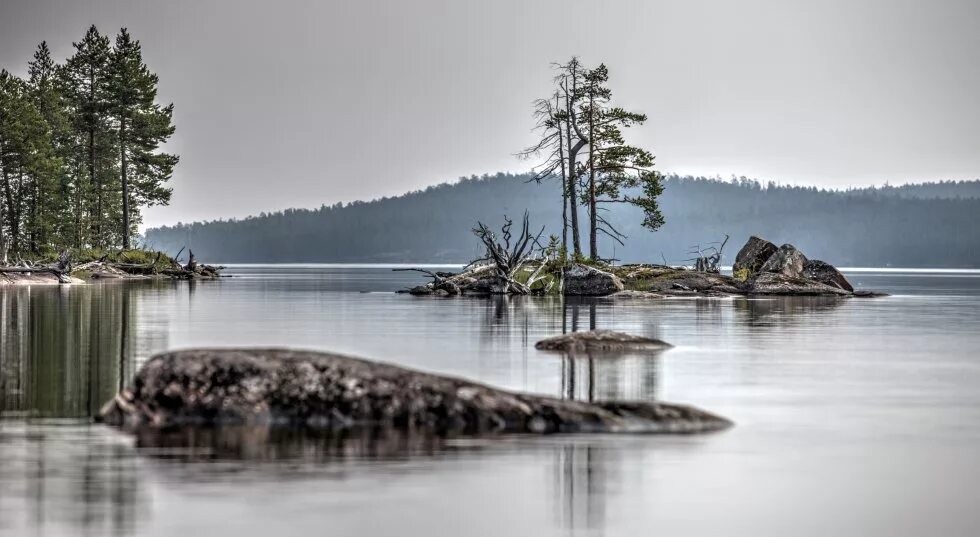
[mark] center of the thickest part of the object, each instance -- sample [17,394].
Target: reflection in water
[785,310]
[66,350]
[772,364]
[582,470]
[68,475]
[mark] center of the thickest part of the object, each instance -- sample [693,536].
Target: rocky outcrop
[798,273]
[787,260]
[753,255]
[583,280]
[599,340]
[825,273]
[278,387]
[774,283]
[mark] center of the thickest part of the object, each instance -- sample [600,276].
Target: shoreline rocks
[753,255]
[277,387]
[583,280]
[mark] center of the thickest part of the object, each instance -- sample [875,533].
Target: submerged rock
[774,283]
[826,273]
[283,387]
[599,340]
[787,261]
[753,255]
[583,280]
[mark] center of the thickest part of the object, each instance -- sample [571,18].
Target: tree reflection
[64,351]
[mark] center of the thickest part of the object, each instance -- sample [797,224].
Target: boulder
[689,282]
[599,340]
[276,387]
[787,261]
[825,273]
[583,280]
[753,255]
[775,283]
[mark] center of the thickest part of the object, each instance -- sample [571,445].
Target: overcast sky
[282,104]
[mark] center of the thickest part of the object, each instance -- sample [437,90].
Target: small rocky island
[122,265]
[760,269]
[276,387]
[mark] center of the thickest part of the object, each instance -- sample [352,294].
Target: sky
[299,104]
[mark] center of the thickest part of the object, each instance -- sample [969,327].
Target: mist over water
[863,408]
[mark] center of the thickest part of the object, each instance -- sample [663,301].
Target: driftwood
[61,268]
[707,259]
[508,259]
[439,280]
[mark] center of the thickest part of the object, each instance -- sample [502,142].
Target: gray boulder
[787,261]
[583,280]
[775,283]
[276,387]
[599,340]
[826,273]
[753,255]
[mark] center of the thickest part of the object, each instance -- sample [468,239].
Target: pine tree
[27,164]
[142,126]
[51,211]
[617,172]
[86,81]
[613,172]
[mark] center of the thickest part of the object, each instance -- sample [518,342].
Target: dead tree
[60,268]
[440,281]
[191,262]
[509,259]
[707,259]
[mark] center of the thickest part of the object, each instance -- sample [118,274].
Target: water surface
[853,416]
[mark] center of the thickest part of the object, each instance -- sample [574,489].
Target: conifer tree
[51,210]
[142,126]
[617,172]
[86,76]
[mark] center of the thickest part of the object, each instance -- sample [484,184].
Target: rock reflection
[258,443]
[784,311]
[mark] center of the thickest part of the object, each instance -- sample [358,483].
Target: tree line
[578,118]
[80,148]
[867,227]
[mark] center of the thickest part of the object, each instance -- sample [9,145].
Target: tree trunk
[564,186]
[125,183]
[593,243]
[572,175]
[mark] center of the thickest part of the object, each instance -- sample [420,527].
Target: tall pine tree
[86,80]
[142,126]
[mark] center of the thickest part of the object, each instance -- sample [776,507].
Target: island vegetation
[80,157]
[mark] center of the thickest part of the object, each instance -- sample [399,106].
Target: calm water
[853,417]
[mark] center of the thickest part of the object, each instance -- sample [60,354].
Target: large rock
[583,280]
[826,273]
[787,261]
[753,255]
[593,340]
[282,387]
[774,283]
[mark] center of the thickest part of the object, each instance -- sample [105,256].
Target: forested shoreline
[924,225]
[80,148]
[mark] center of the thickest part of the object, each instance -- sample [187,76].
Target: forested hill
[925,225]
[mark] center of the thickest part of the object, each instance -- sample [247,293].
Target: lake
[852,416]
